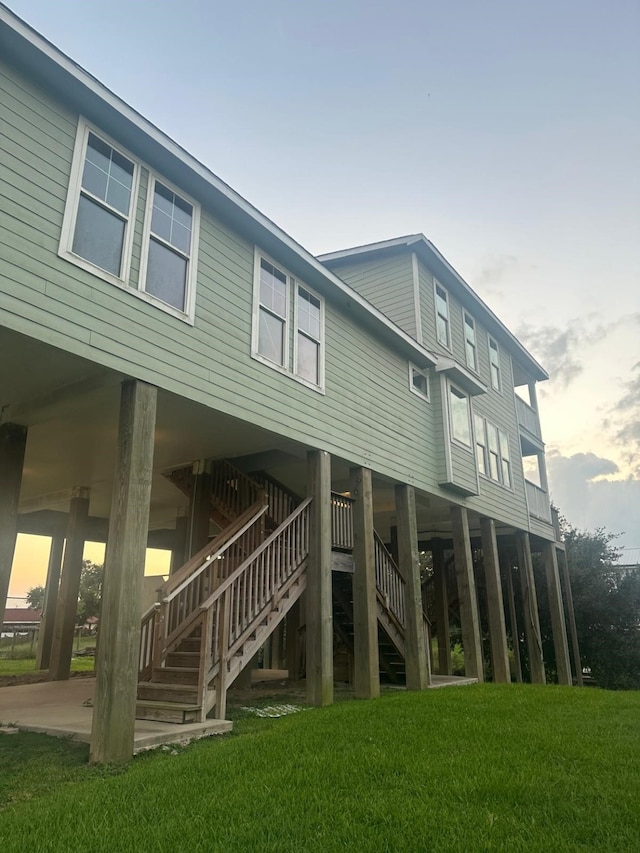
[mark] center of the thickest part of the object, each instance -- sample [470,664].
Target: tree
[90,593]
[35,597]
[606,599]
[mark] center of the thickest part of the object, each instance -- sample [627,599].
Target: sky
[508,133]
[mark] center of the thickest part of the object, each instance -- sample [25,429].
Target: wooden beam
[199,510]
[571,614]
[39,409]
[13,441]
[471,636]
[530,609]
[417,661]
[67,603]
[47,620]
[558,627]
[442,607]
[319,634]
[513,619]
[293,642]
[495,605]
[366,675]
[119,648]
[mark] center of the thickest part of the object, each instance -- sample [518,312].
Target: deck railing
[528,417]
[231,489]
[538,501]
[281,500]
[341,522]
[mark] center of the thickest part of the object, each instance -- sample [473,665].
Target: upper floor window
[470,347]
[492,451]
[459,416]
[275,290]
[481,443]
[443,332]
[103,205]
[419,381]
[494,365]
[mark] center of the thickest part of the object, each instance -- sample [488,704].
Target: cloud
[624,422]
[581,490]
[496,268]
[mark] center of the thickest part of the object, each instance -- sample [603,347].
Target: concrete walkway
[64,709]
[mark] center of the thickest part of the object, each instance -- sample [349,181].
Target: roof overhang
[462,377]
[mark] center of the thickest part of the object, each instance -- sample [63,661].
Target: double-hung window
[470,347]
[104,202]
[443,332]
[494,365]
[279,297]
[459,416]
[493,458]
[481,443]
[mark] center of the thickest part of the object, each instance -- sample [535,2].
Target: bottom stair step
[167,712]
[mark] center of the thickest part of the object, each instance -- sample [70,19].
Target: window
[505,458]
[278,297]
[442,316]
[470,348]
[308,341]
[494,365]
[459,414]
[494,452]
[419,382]
[169,249]
[481,444]
[103,205]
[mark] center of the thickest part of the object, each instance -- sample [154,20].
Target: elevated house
[178,372]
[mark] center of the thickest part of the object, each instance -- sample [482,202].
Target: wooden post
[112,734]
[513,619]
[417,661]
[293,642]
[319,633]
[495,605]
[13,441]
[67,603]
[471,637]
[179,550]
[366,674]
[575,648]
[530,609]
[442,607]
[199,509]
[558,627]
[47,620]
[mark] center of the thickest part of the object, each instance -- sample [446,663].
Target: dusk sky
[508,133]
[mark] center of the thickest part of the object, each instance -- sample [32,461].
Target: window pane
[308,313]
[419,382]
[443,330]
[166,275]
[271,337]
[107,174]
[441,302]
[273,288]
[504,445]
[308,359]
[482,465]
[99,236]
[471,355]
[460,417]
[171,218]
[94,180]
[506,473]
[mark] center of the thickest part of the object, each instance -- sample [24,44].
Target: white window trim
[413,388]
[291,318]
[487,462]
[470,448]
[296,330]
[124,282]
[192,264]
[466,316]
[436,285]
[72,204]
[498,390]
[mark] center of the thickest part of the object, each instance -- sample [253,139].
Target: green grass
[461,769]
[22,667]
[21,659]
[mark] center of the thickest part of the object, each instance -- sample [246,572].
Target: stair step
[159,692]
[190,644]
[176,675]
[167,712]
[183,658]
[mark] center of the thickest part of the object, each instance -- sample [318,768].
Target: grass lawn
[464,769]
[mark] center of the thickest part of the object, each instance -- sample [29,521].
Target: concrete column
[67,603]
[442,608]
[471,636]
[319,632]
[495,605]
[417,660]
[513,619]
[366,676]
[530,609]
[13,441]
[119,648]
[558,627]
[47,620]
[575,648]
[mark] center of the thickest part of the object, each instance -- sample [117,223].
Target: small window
[168,268]
[481,444]
[272,322]
[459,413]
[494,365]
[443,333]
[309,332]
[419,381]
[470,348]
[494,452]
[505,458]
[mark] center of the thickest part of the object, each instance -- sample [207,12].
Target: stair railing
[390,583]
[281,500]
[243,601]
[231,489]
[341,522]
